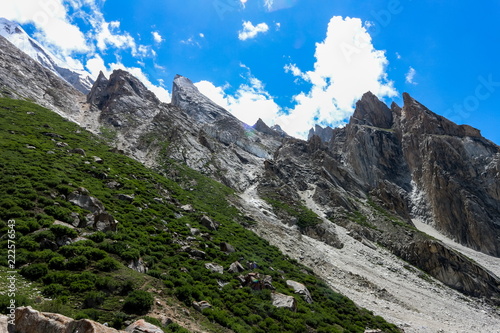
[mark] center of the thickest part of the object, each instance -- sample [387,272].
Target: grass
[90,278]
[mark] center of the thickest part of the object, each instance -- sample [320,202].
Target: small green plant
[138,302]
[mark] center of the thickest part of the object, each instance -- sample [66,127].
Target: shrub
[93,299]
[34,271]
[107,264]
[61,231]
[58,263]
[138,302]
[78,263]
[54,290]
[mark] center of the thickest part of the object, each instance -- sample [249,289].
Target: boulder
[236,267]
[208,223]
[201,305]
[141,326]
[78,151]
[257,281]
[284,301]
[32,321]
[105,222]
[214,268]
[187,208]
[226,247]
[125,197]
[138,265]
[82,199]
[300,289]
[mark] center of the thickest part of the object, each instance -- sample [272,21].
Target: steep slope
[23,77]
[14,33]
[90,222]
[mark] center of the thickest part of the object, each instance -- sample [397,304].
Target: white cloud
[202,35]
[249,103]
[250,31]
[97,64]
[157,37]
[347,65]
[269,4]
[51,20]
[410,76]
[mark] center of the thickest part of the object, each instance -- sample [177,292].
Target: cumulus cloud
[250,102]
[347,65]
[250,31]
[410,76]
[51,21]
[96,64]
[157,37]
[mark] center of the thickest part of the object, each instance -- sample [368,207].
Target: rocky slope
[13,32]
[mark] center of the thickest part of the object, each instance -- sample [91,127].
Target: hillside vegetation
[170,222]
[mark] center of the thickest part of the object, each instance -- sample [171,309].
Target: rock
[125,197]
[138,266]
[4,320]
[226,247]
[236,267]
[194,231]
[30,147]
[32,321]
[201,305]
[208,223]
[284,301]
[325,134]
[215,268]
[98,160]
[82,199]
[141,326]
[113,185]
[300,289]
[187,208]
[105,222]
[78,151]
[257,281]
[61,144]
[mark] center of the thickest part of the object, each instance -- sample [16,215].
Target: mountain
[14,33]
[371,208]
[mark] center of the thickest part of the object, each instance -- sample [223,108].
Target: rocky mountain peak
[418,119]
[373,112]
[186,96]
[325,134]
[262,127]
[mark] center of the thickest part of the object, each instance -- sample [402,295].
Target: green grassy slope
[90,278]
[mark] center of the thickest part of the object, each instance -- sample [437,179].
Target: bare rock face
[23,77]
[99,219]
[123,100]
[187,97]
[325,134]
[32,321]
[458,171]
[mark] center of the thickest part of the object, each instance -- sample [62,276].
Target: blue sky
[291,62]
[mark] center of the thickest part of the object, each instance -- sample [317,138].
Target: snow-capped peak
[14,33]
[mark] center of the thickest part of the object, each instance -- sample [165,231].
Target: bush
[138,302]
[54,290]
[58,263]
[34,271]
[61,231]
[93,299]
[107,265]
[78,263]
